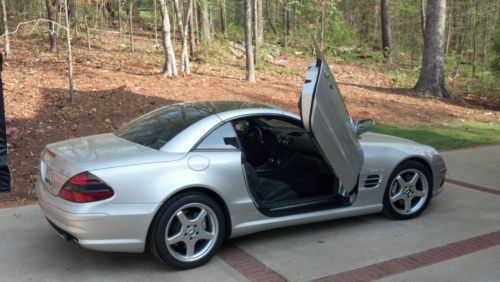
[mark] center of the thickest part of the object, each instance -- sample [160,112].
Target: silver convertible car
[182,179]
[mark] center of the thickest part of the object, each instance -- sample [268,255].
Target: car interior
[284,168]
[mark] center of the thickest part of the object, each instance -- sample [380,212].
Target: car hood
[371,137]
[372,140]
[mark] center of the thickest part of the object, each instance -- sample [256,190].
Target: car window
[223,138]
[156,128]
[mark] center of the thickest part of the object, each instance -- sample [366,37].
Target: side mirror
[364,125]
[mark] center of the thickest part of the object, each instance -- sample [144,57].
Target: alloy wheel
[409,191]
[191,232]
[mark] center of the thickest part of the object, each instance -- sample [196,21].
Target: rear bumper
[100,226]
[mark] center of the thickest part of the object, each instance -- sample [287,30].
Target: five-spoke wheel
[409,191]
[187,230]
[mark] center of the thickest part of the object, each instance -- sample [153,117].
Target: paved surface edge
[247,265]
[473,186]
[417,260]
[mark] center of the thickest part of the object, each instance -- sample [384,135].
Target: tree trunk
[260,22]
[206,37]
[120,15]
[422,16]
[223,17]
[104,22]
[212,21]
[73,15]
[156,23]
[448,37]
[130,25]
[485,40]
[87,31]
[463,41]
[255,31]
[70,55]
[5,30]
[185,55]
[51,16]
[376,22]
[386,30]
[170,67]
[196,25]
[269,18]
[248,41]
[58,7]
[322,23]
[192,31]
[285,23]
[474,39]
[183,30]
[431,80]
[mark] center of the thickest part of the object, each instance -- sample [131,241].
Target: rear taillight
[84,188]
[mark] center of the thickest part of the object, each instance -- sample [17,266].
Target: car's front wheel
[187,230]
[408,191]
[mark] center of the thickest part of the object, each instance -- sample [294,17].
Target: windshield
[156,128]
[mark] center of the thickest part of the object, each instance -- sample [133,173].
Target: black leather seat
[268,189]
[307,175]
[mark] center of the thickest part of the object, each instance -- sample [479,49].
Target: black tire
[390,209]
[157,241]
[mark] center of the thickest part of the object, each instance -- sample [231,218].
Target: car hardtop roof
[220,106]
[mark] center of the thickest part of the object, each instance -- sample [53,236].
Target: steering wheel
[255,136]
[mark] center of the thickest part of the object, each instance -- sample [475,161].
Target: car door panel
[325,116]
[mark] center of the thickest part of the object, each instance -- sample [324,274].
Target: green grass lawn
[446,136]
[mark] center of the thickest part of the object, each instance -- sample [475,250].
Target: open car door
[325,116]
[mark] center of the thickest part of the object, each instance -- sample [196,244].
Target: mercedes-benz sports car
[183,178]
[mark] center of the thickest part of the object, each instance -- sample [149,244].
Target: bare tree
[248,41]
[130,25]
[431,80]
[386,30]
[448,36]
[474,38]
[156,23]
[255,30]
[120,15]
[422,16]
[70,55]
[486,36]
[322,7]
[259,22]
[85,21]
[192,30]
[183,29]
[170,67]
[206,36]
[286,22]
[196,22]
[269,18]
[5,30]
[51,16]
[463,40]
[223,17]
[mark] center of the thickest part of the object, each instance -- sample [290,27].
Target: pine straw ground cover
[114,86]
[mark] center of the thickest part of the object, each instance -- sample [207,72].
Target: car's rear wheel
[408,191]
[187,230]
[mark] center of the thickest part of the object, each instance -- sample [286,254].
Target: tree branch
[35,24]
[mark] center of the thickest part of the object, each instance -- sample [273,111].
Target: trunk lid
[62,160]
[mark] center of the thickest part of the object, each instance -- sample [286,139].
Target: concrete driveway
[456,239]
